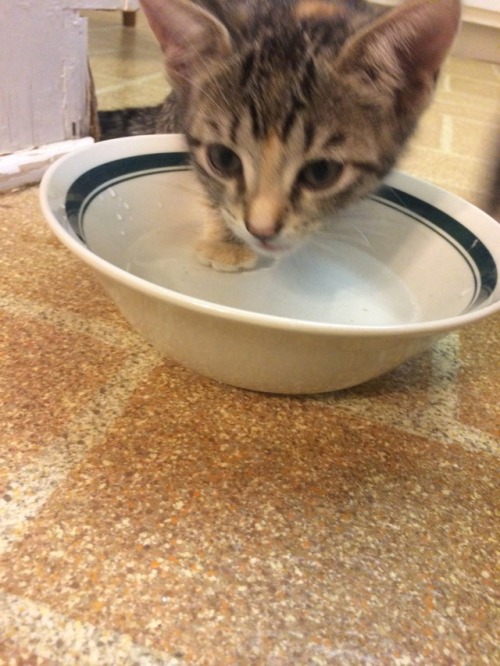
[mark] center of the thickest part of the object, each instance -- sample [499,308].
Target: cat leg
[221,250]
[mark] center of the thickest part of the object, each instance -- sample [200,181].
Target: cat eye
[319,175]
[224,160]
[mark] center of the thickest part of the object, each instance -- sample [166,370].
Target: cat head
[294,109]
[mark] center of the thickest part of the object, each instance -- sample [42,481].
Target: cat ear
[404,49]
[190,37]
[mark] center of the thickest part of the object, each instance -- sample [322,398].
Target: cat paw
[224,256]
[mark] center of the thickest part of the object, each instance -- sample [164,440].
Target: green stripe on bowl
[87,186]
[472,249]
[91,183]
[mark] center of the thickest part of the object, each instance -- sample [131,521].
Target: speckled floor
[151,516]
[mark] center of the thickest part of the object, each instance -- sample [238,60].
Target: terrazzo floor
[151,516]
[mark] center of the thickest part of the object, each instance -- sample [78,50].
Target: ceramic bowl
[387,279]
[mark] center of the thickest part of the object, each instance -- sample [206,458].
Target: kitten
[292,109]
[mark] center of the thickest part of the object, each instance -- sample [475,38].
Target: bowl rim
[217,310]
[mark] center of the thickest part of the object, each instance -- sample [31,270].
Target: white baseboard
[25,167]
[481,42]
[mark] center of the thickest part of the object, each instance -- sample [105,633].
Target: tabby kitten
[292,109]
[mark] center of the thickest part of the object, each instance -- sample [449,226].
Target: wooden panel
[43,74]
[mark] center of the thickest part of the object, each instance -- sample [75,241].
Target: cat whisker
[184,188]
[326,247]
[207,69]
[362,234]
[203,89]
[353,234]
[397,195]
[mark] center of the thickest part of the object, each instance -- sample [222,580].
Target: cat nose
[264,219]
[264,231]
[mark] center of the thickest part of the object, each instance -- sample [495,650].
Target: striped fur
[292,108]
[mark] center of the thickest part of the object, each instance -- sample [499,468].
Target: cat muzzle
[264,232]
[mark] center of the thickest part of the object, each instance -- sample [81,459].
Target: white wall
[43,73]
[493,5]
[44,83]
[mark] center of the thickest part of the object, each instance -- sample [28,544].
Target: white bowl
[391,276]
